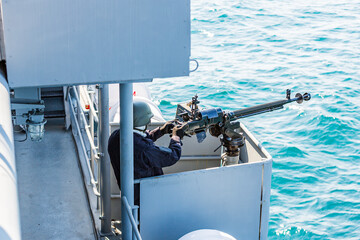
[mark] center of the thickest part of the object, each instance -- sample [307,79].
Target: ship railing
[89,146]
[85,104]
[132,214]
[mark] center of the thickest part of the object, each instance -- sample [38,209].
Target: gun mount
[195,121]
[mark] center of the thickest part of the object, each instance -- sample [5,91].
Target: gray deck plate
[52,198]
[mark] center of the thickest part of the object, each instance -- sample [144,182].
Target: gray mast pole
[105,160]
[126,154]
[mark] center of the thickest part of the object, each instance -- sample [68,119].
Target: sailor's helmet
[142,113]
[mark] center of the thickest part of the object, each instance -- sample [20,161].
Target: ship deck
[53,202]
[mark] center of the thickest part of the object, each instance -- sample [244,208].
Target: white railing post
[78,90]
[91,122]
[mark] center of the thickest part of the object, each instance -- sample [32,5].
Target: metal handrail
[92,178]
[95,155]
[100,184]
[131,217]
[88,133]
[92,108]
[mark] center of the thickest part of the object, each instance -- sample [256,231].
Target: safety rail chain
[81,123]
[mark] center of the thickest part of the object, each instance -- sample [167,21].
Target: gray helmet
[142,114]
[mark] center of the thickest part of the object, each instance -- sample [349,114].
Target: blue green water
[250,52]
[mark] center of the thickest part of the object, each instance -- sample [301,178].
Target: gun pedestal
[234,148]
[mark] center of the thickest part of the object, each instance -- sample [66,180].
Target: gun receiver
[196,121]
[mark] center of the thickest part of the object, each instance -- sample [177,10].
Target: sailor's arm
[158,132]
[163,157]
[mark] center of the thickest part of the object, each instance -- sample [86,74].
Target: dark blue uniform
[149,159]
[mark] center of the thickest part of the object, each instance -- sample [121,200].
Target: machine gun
[195,121]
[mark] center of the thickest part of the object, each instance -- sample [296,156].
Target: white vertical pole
[91,120]
[126,154]
[78,89]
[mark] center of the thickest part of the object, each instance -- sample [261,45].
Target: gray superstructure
[57,59]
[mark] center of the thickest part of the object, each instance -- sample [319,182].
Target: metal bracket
[197,64]
[288,93]
[100,154]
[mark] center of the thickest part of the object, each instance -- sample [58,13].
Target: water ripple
[250,52]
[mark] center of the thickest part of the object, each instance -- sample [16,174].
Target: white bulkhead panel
[65,42]
[227,199]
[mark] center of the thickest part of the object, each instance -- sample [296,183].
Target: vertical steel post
[126,154]
[91,120]
[98,142]
[79,106]
[104,160]
[136,216]
[92,154]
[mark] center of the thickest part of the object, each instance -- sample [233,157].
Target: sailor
[149,159]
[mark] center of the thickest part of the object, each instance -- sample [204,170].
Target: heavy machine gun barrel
[196,121]
[193,121]
[268,107]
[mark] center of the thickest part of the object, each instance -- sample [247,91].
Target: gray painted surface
[53,43]
[9,204]
[126,154]
[2,44]
[265,210]
[226,199]
[52,198]
[104,160]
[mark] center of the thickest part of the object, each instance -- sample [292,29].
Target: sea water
[249,53]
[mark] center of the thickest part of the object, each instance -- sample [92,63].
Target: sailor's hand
[167,127]
[178,131]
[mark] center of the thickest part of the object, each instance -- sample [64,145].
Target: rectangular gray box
[226,199]
[66,42]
